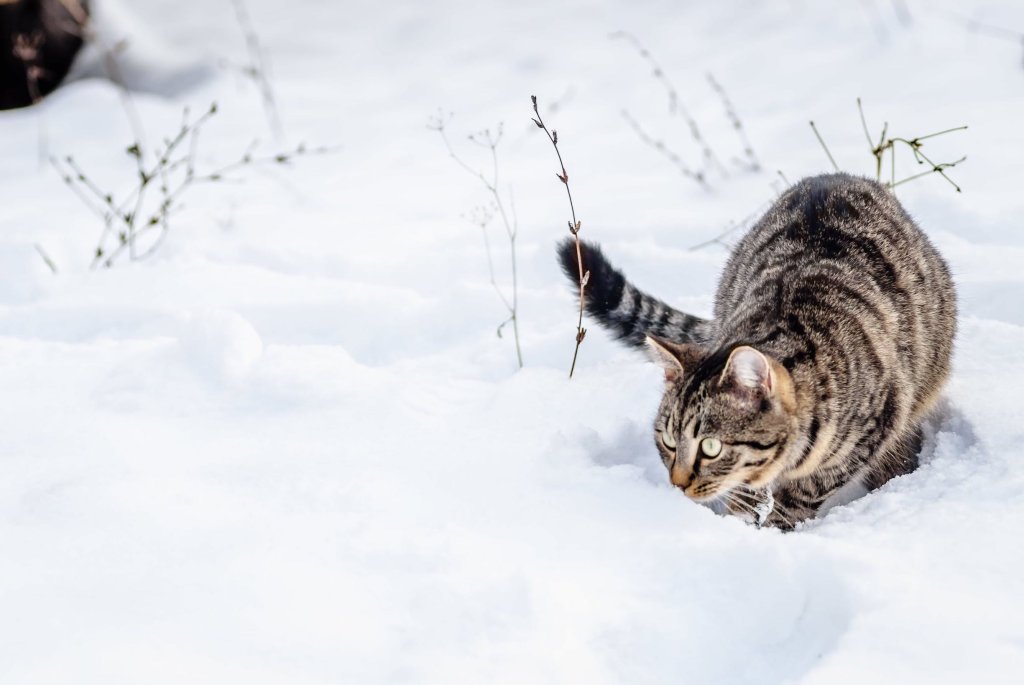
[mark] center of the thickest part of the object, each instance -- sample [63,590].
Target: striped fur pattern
[830,342]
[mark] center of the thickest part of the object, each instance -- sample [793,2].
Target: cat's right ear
[676,358]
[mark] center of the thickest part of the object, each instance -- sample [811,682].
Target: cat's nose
[681,477]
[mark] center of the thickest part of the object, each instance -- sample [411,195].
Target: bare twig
[482,217]
[887,144]
[174,170]
[751,163]
[574,228]
[902,12]
[665,151]
[675,104]
[127,100]
[732,227]
[780,183]
[824,147]
[46,258]
[258,68]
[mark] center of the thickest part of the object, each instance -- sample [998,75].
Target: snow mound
[220,343]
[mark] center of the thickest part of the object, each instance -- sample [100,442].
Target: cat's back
[838,262]
[845,227]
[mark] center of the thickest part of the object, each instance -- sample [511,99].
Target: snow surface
[290,448]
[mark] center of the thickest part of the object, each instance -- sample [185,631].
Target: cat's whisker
[738,504]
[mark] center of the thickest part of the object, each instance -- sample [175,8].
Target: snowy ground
[290,448]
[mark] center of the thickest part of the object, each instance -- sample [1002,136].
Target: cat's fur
[831,339]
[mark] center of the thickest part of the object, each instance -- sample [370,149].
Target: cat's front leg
[753,506]
[798,501]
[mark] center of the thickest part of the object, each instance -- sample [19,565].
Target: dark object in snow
[38,42]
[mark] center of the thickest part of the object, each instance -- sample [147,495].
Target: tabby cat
[831,339]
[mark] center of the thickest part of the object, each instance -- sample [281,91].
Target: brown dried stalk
[574,229]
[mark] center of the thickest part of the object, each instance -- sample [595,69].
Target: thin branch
[887,144]
[481,217]
[46,258]
[752,162]
[660,147]
[125,95]
[732,227]
[173,171]
[574,229]
[936,168]
[258,68]
[675,105]
[490,141]
[656,71]
[824,147]
[991,30]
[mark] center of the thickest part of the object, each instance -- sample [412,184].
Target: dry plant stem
[888,144]
[656,71]
[510,222]
[258,68]
[481,217]
[990,30]
[125,95]
[662,149]
[732,228]
[752,162]
[127,217]
[574,229]
[902,12]
[46,258]
[675,105]
[824,147]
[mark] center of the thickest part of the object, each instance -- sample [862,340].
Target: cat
[831,340]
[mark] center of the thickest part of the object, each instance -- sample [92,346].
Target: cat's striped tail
[627,312]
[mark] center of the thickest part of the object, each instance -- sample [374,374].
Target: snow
[289,448]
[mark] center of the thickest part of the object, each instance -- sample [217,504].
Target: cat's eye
[668,438]
[711,447]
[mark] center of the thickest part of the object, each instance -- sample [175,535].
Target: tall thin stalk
[574,229]
[490,141]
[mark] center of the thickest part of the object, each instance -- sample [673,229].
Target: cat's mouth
[702,492]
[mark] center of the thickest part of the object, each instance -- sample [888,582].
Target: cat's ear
[749,369]
[675,358]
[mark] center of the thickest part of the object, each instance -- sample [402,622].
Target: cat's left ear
[750,369]
[675,358]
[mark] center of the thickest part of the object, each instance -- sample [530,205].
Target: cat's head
[726,419]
